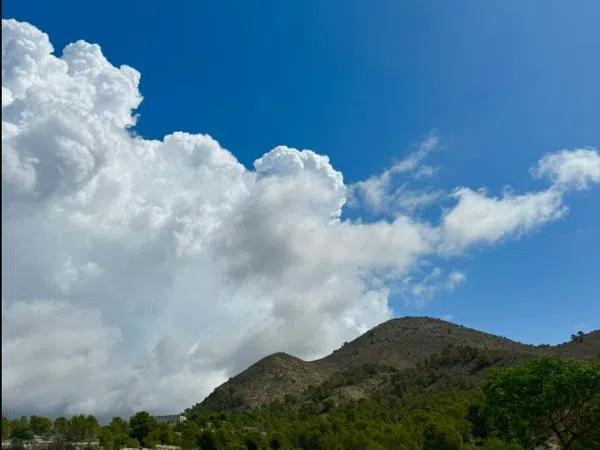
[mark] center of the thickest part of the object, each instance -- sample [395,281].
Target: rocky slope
[392,346]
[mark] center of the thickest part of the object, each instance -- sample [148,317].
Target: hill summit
[454,352]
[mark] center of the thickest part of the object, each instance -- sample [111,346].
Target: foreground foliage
[547,398]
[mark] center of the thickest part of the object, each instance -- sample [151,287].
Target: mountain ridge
[397,344]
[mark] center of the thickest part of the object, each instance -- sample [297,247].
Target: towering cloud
[139,274]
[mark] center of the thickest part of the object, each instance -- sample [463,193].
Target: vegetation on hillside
[460,367]
[392,346]
[461,399]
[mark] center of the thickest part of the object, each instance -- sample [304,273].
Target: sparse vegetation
[394,345]
[577,337]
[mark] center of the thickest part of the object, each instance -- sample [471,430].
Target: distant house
[171,420]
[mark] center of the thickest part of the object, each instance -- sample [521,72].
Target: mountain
[586,346]
[412,352]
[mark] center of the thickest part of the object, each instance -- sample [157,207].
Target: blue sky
[502,83]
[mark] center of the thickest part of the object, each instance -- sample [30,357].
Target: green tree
[190,434]
[545,398]
[82,428]
[119,429]
[132,443]
[162,433]
[441,436]
[61,427]
[5,428]
[21,429]
[119,426]
[208,441]
[141,424]
[41,426]
[107,440]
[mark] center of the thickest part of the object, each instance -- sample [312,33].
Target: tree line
[140,430]
[547,400]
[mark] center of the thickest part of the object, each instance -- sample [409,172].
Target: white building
[171,420]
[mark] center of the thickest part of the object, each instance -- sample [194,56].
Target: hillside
[587,347]
[447,352]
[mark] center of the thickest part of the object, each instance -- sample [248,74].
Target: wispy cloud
[417,288]
[389,193]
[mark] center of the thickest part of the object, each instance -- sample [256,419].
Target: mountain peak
[398,343]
